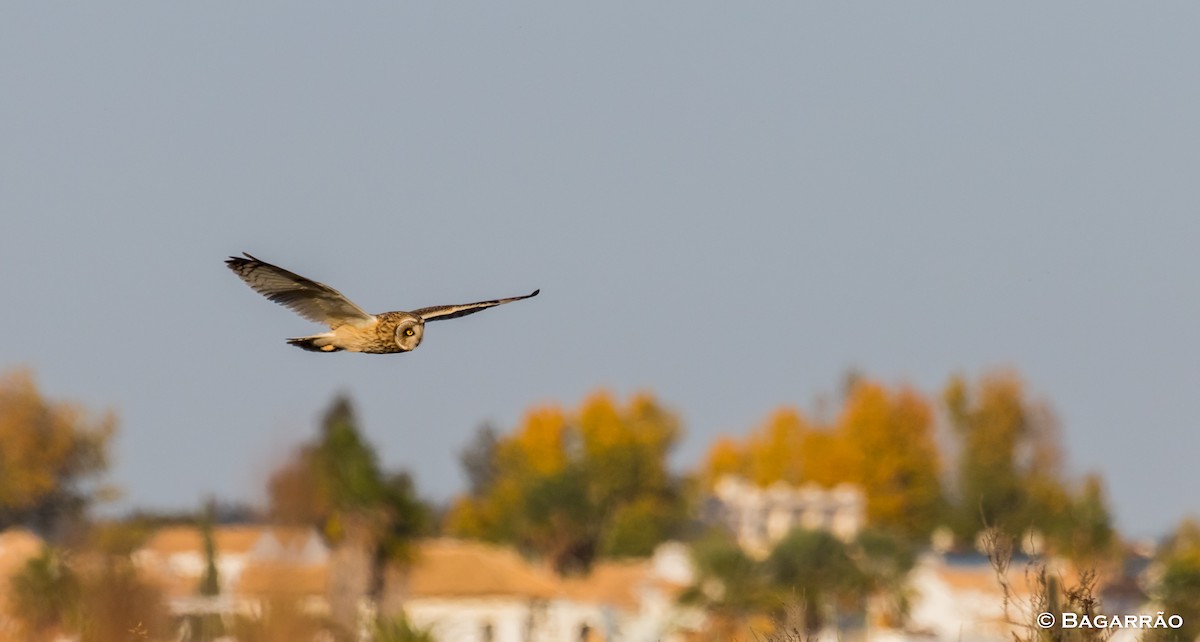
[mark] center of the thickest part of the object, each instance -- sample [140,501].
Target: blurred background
[889,278]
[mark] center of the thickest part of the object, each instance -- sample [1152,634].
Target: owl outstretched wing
[310,299]
[439,312]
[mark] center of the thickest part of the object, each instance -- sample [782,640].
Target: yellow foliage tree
[882,441]
[725,457]
[48,449]
[571,485]
[894,458]
[775,452]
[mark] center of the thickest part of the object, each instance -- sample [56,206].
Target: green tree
[206,627]
[1010,470]
[45,596]
[731,587]
[210,583]
[1178,587]
[884,560]
[809,573]
[51,453]
[369,516]
[816,568]
[1089,538]
[399,629]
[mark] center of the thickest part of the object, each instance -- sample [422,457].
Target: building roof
[613,583]
[976,573]
[274,579]
[459,568]
[444,568]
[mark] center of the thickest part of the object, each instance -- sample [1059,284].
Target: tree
[399,629]
[45,596]
[50,452]
[885,559]
[1009,469]
[816,569]
[990,423]
[115,602]
[573,485]
[98,602]
[478,460]
[1089,537]
[210,584]
[894,458]
[882,441]
[730,586]
[1178,587]
[206,627]
[370,517]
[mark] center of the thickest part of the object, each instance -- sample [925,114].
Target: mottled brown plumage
[351,328]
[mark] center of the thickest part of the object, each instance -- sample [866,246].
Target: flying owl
[351,329]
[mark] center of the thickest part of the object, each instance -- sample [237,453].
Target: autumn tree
[1010,469]
[894,458]
[51,453]
[574,485]
[882,441]
[369,516]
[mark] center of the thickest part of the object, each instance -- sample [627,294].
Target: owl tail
[316,343]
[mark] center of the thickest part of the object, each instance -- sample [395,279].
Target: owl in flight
[350,328]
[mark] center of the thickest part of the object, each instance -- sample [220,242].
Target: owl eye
[409,332]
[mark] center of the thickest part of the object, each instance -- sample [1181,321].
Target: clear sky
[729,204]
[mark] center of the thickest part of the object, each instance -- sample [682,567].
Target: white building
[760,517]
[468,591]
[959,597]
[463,591]
[174,558]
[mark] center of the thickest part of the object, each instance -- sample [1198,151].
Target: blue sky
[728,205]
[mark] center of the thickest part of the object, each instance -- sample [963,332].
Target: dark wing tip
[535,292]
[235,262]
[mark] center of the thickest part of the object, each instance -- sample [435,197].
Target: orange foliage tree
[889,438]
[571,485]
[1008,468]
[49,451]
[882,441]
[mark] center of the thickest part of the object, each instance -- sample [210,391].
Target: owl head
[409,332]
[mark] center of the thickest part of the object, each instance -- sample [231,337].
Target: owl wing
[311,300]
[439,312]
